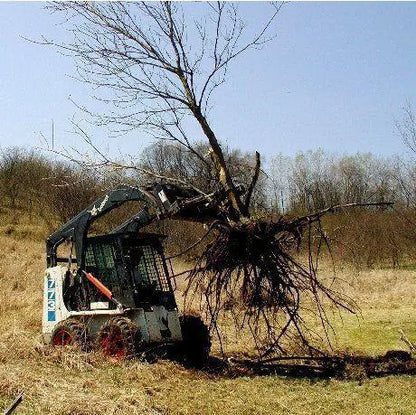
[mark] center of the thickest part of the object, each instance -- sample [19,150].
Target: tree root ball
[254,264]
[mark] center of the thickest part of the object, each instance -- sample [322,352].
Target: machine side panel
[163,325]
[54,310]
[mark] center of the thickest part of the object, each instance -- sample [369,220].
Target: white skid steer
[115,293]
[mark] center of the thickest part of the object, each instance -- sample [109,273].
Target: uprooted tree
[158,65]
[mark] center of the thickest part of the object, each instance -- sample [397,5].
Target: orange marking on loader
[100,286]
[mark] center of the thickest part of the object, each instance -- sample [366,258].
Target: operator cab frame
[132,266]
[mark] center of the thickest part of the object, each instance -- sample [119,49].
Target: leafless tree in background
[407,126]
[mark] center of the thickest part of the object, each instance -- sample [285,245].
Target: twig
[404,339]
[314,217]
[18,400]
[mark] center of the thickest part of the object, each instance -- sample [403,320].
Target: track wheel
[196,343]
[118,338]
[70,332]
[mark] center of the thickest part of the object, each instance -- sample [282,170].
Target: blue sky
[335,78]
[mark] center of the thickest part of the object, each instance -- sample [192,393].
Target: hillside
[68,382]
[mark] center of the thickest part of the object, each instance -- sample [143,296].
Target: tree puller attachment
[115,293]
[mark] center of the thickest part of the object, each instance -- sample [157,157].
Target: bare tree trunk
[223,173]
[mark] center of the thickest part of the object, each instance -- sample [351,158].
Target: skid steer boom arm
[167,201]
[77,228]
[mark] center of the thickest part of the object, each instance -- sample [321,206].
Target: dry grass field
[67,382]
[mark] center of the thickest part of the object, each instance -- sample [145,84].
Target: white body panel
[157,325]
[54,309]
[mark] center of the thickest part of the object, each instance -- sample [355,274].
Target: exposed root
[250,271]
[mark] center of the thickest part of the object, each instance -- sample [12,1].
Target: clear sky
[335,78]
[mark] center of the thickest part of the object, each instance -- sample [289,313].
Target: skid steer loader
[114,291]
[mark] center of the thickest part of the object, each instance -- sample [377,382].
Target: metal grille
[150,269]
[100,260]
[104,256]
[89,257]
[105,263]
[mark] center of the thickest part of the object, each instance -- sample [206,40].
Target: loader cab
[132,266]
[113,292]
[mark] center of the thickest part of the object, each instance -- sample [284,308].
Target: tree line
[55,190]
[314,180]
[308,181]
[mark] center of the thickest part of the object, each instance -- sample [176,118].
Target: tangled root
[250,271]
